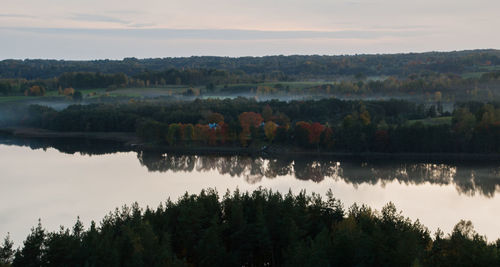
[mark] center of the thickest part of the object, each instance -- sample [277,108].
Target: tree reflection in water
[469,178]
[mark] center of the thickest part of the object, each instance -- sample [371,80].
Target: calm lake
[57,182]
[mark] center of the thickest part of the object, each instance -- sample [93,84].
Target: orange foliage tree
[201,133]
[35,90]
[68,91]
[247,120]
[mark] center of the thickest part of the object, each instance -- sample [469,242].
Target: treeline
[123,117]
[208,78]
[449,85]
[356,133]
[298,67]
[91,80]
[262,228]
[427,86]
[328,125]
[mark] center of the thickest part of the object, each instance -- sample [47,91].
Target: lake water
[57,182]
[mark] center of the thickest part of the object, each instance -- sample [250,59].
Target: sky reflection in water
[57,187]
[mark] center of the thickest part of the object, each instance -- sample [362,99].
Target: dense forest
[295,66]
[262,228]
[453,74]
[328,125]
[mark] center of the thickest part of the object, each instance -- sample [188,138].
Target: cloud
[98,18]
[223,34]
[15,16]
[91,44]
[109,19]
[141,25]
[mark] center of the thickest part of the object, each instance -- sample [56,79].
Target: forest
[261,228]
[295,66]
[328,125]
[454,75]
[255,109]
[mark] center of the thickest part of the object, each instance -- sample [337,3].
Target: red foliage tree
[247,120]
[315,131]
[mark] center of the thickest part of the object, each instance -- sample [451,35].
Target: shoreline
[22,132]
[132,142]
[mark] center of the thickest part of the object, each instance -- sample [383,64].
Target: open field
[6,99]
[433,121]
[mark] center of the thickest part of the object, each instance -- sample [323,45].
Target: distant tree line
[262,228]
[208,78]
[298,67]
[427,86]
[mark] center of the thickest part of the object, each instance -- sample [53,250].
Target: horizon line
[271,55]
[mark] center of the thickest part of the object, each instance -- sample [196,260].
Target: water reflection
[67,145]
[469,178]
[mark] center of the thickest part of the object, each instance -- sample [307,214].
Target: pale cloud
[98,18]
[218,34]
[15,16]
[219,26]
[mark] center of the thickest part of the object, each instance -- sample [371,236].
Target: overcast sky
[98,29]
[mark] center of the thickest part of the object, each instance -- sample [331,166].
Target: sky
[115,29]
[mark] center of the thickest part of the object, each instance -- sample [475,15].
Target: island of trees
[328,125]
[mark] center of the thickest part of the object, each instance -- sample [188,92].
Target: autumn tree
[249,120]
[270,130]
[201,133]
[68,91]
[327,138]
[35,90]
[222,132]
[315,131]
[364,115]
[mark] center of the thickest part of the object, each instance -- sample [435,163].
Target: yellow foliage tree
[68,91]
[365,117]
[270,130]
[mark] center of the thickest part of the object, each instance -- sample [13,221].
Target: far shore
[134,143]
[22,132]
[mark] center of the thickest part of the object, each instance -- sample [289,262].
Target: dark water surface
[60,180]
